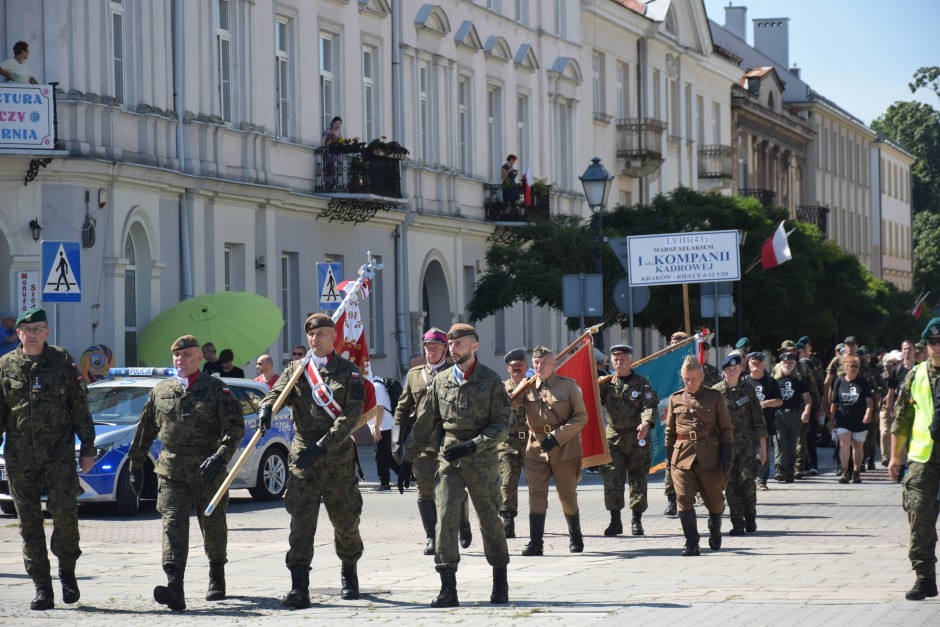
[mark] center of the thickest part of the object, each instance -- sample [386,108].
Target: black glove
[211,468]
[404,477]
[727,458]
[549,443]
[461,449]
[137,480]
[264,418]
[398,453]
[669,451]
[309,455]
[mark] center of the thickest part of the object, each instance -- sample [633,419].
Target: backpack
[394,389]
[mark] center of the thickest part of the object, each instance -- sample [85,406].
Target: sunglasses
[298,354]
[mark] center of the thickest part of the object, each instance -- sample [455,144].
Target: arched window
[130,304]
[672,24]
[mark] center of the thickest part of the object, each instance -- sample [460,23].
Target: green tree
[927,253]
[928,77]
[916,127]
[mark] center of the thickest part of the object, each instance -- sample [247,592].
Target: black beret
[515,355]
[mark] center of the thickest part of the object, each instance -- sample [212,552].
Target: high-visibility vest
[922,397]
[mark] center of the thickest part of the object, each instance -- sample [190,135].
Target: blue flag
[663,373]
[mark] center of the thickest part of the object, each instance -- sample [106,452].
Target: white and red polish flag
[351,344]
[776,249]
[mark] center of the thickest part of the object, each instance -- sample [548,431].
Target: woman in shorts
[852,407]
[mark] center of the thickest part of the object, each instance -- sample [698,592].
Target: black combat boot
[448,594]
[671,508]
[171,595]
[299,596]
[924,587]
[750,523]
[509,525]
[737,526]
[615,528]
[536,531]
[636,525]
[216,591]
[500,594]
[45,600]
[350,580]
[428,512]
[466,535]
[714,530]
[690,529]
[576,543]
[70,591]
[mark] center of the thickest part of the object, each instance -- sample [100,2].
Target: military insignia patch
[634,394]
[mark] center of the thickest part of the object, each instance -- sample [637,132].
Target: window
[369,95]
[564,124]
[463,124]
[282,76]
[700,120]
[657,97]
[224,42]
[623,91]
[117,48]
[494,130]
[522,12]
[494,5]
[561,18]
[234,268]
[716,122]
[130,304]
[597,73]
[329,78]
[424,113]
[290,305]
[523,144]
[674,125]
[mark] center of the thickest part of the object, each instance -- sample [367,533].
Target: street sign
[717,300]
[28,290]
[693,257]
[329,275]
[582,295]
[61,272]
[641,296]
[622,249]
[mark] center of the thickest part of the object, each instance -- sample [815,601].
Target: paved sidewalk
[824,553]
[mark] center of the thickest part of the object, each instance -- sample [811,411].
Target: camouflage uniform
[877,383]
[425,463]
[43,407]
[628,401]
[332,478]
[193,424]
[512,457]
[712,375]
[477,410]
[747,421]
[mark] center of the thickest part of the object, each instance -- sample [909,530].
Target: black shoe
[737,529]
[45,600]
[690,529]
[615,528]
[750,524]
[466,534]
[536,531]
[671,509]
[714,531]
[216,591]
[922,589]
[382,488]
[509,525]
[576,542]
[349,577]
[70,591]
[428,512]
[636,525]
[299,596]
[884,462]
[778,476]
[500,594]
[871,463]
[448,594]
[171,595]
[856,478]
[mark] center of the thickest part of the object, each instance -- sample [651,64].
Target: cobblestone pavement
[824,553]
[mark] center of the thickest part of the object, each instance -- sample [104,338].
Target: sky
[861,54]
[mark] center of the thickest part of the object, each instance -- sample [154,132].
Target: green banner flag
[663,373]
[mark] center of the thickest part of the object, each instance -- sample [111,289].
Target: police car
[115,406]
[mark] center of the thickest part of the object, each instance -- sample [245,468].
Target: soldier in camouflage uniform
[472,406]
[750,434]
[512,451]
[877,383]
[631,406]
[200,425]
[43,407]
[326,405]
[712,374]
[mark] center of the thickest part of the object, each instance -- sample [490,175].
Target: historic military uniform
[196,419]
[699,446]
[555,411]
[878,386]
[473,410]
[629,401]
[322,462]
[747,421]
[512,456]
[914,420]
[43,408]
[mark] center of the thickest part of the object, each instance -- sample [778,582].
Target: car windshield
[117,405]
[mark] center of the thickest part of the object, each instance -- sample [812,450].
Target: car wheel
[8,508]
[272,475]
[126,503]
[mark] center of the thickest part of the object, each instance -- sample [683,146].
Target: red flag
[526,188]
[700,339]
[580,366]
[776,250]
[919,306]
[351,344]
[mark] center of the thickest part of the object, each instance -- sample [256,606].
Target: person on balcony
[331,162]
[509,173]
[15,69]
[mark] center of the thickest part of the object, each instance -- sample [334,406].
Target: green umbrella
[241,321]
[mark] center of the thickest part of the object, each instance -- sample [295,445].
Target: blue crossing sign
[329,275]
[61,272]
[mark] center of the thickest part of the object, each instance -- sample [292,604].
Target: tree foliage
[915,126]
[927,253]
[928,77]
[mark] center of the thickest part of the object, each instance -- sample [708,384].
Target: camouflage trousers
[477,474]
[331,480]
[920,502]
[872,439]
[424,467]
[60,481]
[511,462]
[175,500]
[741,492]
[668,489]
[628,462]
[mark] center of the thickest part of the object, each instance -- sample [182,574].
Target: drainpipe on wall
[186,197]
[402,330]
[641,101]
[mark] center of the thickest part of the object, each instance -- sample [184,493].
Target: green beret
[542,351]
[187,341]
[804,340]
[931,330]
[863,350]
[318,321]
[461,329]
[36,314]
[743,343]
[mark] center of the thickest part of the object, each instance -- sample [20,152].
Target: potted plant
[356,172]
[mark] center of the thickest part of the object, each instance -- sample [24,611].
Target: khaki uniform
[696,463]
[416,385]
[554,406]
[749,426]
[512,457]
[43,408]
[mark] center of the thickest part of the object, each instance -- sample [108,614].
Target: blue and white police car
[115,406]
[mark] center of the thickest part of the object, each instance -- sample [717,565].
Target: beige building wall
[894,195]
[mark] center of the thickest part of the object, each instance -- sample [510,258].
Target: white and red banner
[776,250]
[351,344]
[581,367]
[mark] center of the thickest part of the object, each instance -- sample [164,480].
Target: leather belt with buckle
[693,436]
[523,435]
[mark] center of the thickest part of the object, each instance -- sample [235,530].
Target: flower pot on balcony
[355,186]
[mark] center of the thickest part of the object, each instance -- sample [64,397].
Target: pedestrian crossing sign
[329,276]
[61,272]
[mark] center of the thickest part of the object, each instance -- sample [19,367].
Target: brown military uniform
[696,425]
[512,456]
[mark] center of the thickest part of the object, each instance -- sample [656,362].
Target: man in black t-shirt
[792,414]
[768,393]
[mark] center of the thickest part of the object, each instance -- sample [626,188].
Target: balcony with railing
[359,180]
[765,196]
[715,162]
[639,145]
[507,203]
[814,214]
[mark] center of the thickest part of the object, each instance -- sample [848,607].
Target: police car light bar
[121,373]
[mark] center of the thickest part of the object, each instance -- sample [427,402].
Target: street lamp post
[597,182]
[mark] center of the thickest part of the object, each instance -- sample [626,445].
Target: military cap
[187,341]
[800,344]
[787,346]
[804,340]
[461,329]
[787,357]
[36,314]
[517,354]
[678,336]
[318,321]
[621,348]
[733,359]
[932,329]
[863,350]
[434,335]
[743,343]
[691,363]
[850,340]
[542,351]
[758,355]
[7,314]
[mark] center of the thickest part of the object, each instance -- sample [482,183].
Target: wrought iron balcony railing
[765,196]
[339,171]
[814,214]
[639,144]
[507,203]
[715,162]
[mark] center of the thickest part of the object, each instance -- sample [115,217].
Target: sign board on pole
[694,257]
[590,303]
[329,275]
[28,290]
[61,272]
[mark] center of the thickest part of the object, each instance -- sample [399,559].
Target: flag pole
[649,358]
[571,348]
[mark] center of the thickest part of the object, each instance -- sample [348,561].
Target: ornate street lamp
[596,181]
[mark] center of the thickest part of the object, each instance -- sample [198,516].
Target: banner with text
[695,257]
[26,117]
